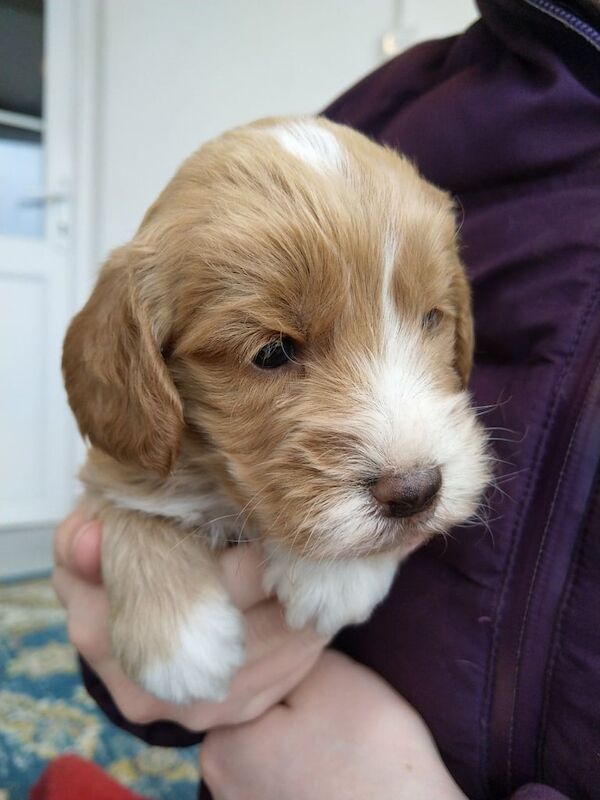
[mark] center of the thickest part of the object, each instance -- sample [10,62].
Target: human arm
[342,733]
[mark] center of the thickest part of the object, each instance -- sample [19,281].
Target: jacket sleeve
[162,732]
[536,791]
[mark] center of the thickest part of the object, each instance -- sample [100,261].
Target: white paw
[331,594]
[207,652]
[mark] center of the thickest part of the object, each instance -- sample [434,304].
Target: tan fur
[147,550]
[117,381]
[247,243]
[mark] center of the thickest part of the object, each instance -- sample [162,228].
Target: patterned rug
[45,711]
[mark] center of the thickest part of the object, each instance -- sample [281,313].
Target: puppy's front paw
[205,653]
[331,594]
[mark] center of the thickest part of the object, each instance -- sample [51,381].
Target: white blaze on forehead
[312,143]
[390,320]
[390,249]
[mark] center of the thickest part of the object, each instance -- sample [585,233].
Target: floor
[45,711]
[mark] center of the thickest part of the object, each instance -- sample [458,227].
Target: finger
[277,659]
[77,595]
[77,546]
[267,632]
[136,705]
[69,587]
[243,573]
[65,534]
[63,582]
[87,615]
[86,555]
[249,698]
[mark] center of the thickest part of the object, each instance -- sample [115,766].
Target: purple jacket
[495,636]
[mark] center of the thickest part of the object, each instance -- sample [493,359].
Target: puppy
[280,353]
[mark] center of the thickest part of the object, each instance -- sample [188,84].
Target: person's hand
[278,658]
[342,734]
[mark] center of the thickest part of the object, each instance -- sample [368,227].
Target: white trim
[86,55]
[23,121]
[86,100]
[63,271]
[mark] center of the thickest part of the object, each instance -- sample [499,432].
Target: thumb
[77,546]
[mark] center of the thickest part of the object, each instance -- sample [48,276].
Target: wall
[173,74]
[136,85]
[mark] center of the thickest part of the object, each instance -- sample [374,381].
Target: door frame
[73,29]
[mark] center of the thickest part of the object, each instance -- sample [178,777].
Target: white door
[37,441]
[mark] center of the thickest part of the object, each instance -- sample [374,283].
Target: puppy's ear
[464,337]
[117,382]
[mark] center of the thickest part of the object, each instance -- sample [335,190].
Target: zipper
[538,574]
[568,19]
[541,565]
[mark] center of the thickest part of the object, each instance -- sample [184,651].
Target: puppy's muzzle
[408,494]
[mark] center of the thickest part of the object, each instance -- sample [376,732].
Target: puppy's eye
[432,319]
[275,354]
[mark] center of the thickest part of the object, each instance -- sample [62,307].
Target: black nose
[405,495]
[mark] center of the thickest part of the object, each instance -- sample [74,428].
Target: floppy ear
[464,337]
[117,382]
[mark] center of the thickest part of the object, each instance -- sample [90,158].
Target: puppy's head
[293,304]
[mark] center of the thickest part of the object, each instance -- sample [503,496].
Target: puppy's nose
[405,495]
